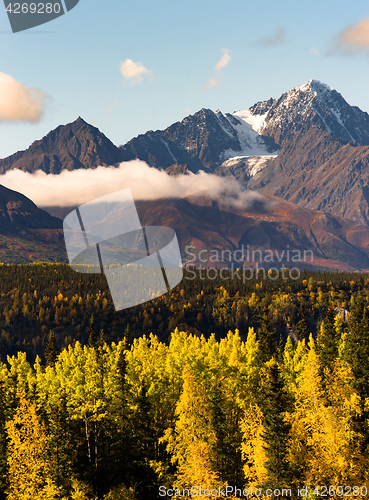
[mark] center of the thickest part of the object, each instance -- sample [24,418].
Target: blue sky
[268,47]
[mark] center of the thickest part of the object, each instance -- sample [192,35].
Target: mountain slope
[272,224]
[320,173]
[27,233]
[207,139]
[72,146]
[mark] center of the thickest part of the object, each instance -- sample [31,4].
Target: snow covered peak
[313,103]
[314,85]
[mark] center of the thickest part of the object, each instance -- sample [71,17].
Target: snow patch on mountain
[251,142]
[222,121]
[251,164]
[338,117]
[316,84]
[170,152]
[257,122]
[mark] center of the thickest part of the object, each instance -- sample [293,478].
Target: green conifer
[92,338]
[328,344]
[50,353]
[266,335]
[302,327]
[274,404]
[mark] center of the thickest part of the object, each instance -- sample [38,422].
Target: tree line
[38,298]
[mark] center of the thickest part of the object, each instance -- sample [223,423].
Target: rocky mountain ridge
[313,104]
[68,147]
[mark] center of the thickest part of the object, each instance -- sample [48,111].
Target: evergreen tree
[101,340]
[127,337]
[274,404]
[50,353]
[328,343]
[266,336]
[355,350]
[225,416]
[120,440]
[356,347]
[92,338]
[302,327]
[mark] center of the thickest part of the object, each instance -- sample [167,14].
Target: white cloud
[134,72]
[224,60]
[19,102]
[355,37]
[314,51]
[72,188]
[214,81]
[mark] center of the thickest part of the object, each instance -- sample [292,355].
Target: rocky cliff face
[316,171]
[308,146]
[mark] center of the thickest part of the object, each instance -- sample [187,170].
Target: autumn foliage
[255,407]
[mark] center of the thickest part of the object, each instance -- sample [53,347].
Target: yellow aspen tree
[323,443]
[192,441]
[254,447]
[30,476]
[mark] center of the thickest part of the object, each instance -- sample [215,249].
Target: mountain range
[307,152]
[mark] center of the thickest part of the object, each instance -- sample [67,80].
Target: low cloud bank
[146,183]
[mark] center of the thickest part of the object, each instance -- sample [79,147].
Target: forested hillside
[38,298]
[124,403]
[119,421]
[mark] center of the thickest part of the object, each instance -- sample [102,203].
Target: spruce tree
[50,353]
[225,417]
[126,337]
[266,336]
[328,348]
[302,327]
[274,404]
[101,348]
[92,338]
[122,445]
[356,352]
